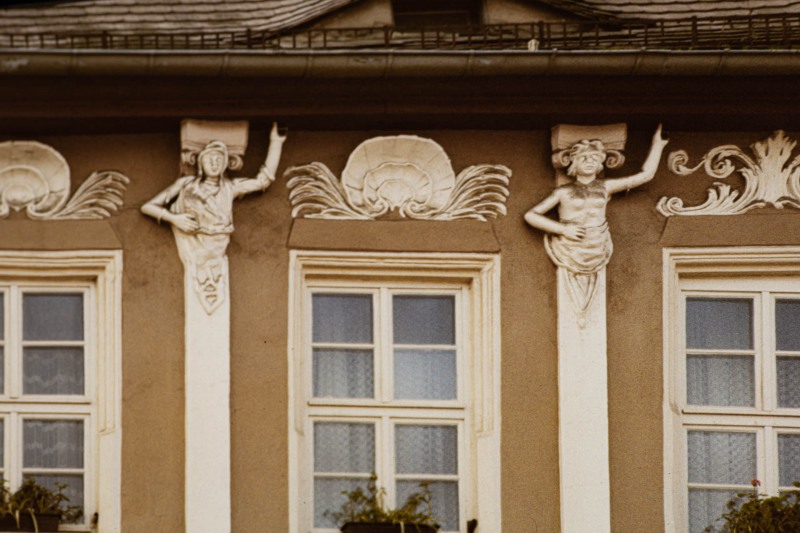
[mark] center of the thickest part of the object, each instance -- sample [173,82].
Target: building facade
[213,323]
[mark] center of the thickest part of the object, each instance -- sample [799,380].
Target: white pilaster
[208,457]
[583,411]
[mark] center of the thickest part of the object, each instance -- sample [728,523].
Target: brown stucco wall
[152,480]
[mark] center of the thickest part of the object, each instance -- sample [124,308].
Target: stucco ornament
[35,177]
[405,175]
[579,242]
[769,180]
[200,209]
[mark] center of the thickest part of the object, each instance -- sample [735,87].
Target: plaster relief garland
[35,177]
[200,209]
[579,241]
[769,180]
[404,174]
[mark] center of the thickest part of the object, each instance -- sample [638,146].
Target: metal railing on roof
[738,33]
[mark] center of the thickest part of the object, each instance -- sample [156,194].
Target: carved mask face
[587,163]
[213,162]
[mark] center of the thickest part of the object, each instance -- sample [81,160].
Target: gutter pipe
[376,64]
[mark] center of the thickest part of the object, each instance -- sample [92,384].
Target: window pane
[426,449]
[52,371]
[424,319]
[346,448]
[789,459]
[425,374]
[787,325]
[343,373]
[719,323]
[328,498]
[720,380]
[722,457]
[52,317]
[53,444]
[73,489]
[342,318]
[444,500]
[2,370]
[788,381]
[706,507]
[2,316]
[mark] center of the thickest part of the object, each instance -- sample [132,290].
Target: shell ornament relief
[35,177]
[771,179]
[403,174]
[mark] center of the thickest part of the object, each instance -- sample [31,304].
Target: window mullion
[14,346]
[6,420]
[680,343]
[768,379]
[384,358]
[6,346]
[15,452]
[388,470]
[769,477]
[463,372]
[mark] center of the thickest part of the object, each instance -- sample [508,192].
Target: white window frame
[98,275]
[473,277]
[763,272]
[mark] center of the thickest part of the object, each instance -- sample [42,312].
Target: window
[385,371]
[412,14]
[733,342]
[58,330]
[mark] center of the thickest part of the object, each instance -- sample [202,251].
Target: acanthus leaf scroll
[771,179]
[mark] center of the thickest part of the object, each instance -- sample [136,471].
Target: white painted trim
[103,270]
[585,485]
[480,273]
[756,270]
[207,423]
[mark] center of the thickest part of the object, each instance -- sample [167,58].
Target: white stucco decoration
[200,207]
[404,174]
[579,242]
[769,180]
[35,177]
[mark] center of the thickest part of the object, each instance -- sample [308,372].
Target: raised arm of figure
[266,174]
[648,169]
[157,207]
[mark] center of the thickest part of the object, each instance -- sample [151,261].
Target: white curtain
[717,457]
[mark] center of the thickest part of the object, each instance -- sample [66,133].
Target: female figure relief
[579,241]
[200,210]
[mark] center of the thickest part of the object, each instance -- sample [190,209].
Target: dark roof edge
[397,63]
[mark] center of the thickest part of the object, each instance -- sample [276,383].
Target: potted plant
[751,512]
[366,512]
[36,508]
